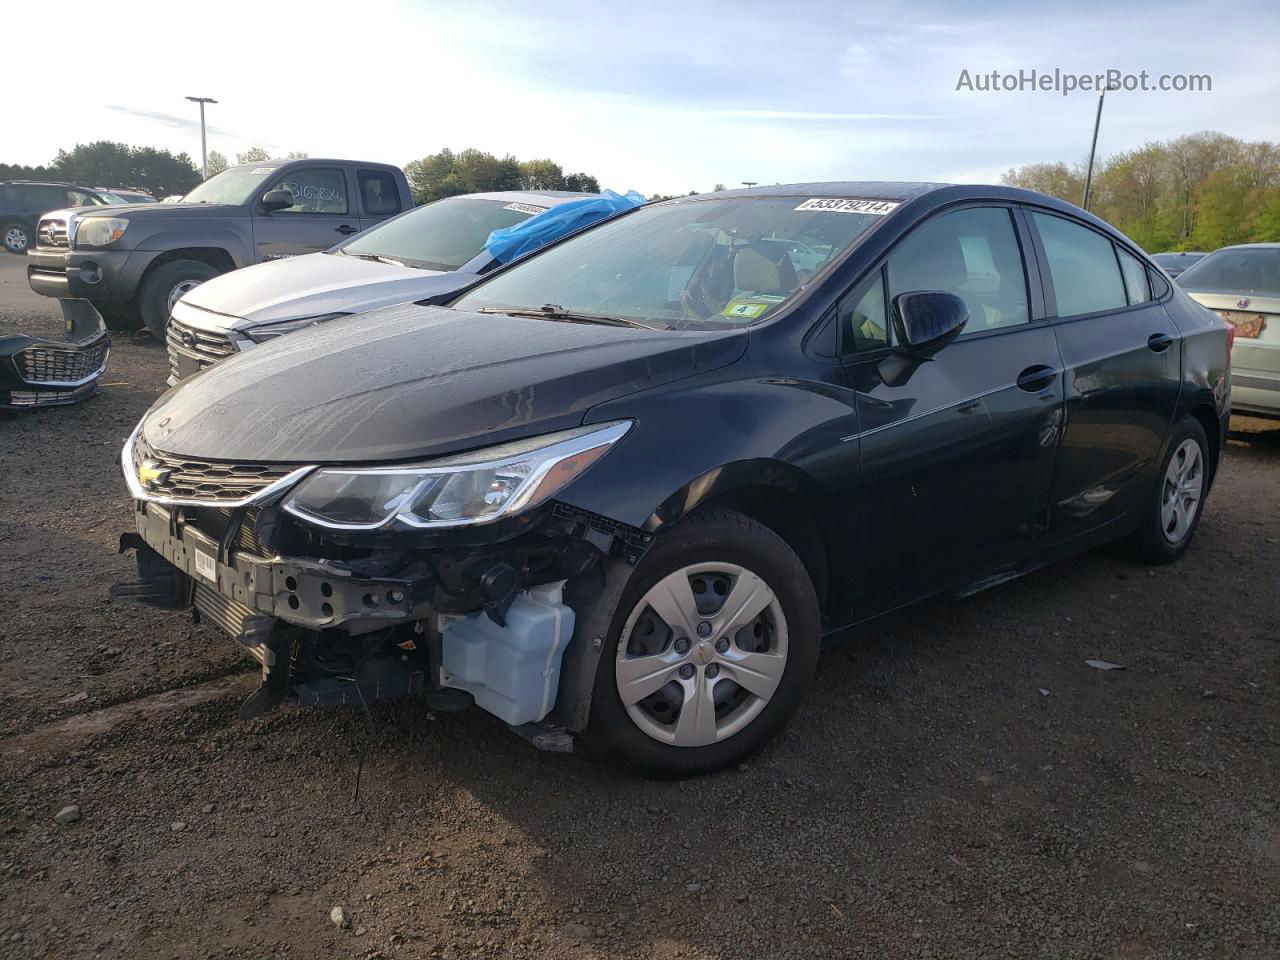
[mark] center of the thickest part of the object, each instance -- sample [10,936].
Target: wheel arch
[1207,414]
[216,257]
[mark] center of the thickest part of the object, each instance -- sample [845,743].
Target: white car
[432,249]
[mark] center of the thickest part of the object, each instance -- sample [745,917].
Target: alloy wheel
[701,654]
[15,239]
[1182,491]
[179,291]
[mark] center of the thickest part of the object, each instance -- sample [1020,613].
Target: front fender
[236,240]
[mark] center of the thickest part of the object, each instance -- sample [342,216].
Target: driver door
[956,463]
[322,214]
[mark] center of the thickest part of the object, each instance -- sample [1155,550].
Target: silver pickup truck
[137,260]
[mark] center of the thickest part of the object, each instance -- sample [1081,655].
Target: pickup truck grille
[205,481]
[52,233]
[61,367]
[206,348]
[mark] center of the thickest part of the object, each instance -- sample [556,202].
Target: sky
[657,96]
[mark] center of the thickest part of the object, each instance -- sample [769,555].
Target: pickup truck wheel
[16,236]
[710,650]
[165,286]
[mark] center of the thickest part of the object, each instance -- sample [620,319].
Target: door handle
[1036,378]
[347,229]
[1159,342]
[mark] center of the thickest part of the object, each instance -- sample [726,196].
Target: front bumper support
[313,594]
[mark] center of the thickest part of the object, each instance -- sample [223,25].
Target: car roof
[541,198]
[52,183]
[1250,246]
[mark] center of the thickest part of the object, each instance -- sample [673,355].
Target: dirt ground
[958,784]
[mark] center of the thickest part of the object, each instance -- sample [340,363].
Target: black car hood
[409,382]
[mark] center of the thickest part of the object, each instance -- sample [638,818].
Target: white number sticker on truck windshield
[877,208]
[206,566]
[524,208]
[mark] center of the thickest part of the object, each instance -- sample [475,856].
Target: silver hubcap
[181,290]
[1181,492]
[701,654]
[15,238]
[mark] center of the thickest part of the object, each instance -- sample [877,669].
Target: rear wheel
[165,286]
[710,650]
[16,237]
[1172,512]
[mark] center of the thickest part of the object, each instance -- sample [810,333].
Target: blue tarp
[506,244]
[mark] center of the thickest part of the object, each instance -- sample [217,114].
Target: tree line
[447,174]
[1198,192]
[107,164]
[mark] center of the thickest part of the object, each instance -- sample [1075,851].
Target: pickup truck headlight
[269,331]
[476,487]
[99,231]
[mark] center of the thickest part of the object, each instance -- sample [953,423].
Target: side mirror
[278,199]
[924,321]
[927,320]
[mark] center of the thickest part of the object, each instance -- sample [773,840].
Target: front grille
[52,233]
[59,365]
[206,348]
[206,481]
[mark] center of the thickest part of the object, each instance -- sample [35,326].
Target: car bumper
[197,339]
[102,276]
[44,372]
[1255,393]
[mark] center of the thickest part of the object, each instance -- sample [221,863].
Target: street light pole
[204,153]
[1097,121]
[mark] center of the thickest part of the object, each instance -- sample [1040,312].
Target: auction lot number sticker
[876,208]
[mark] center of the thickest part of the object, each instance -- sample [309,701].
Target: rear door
[1123,359]
[323,213]
[379,196]
[957,462]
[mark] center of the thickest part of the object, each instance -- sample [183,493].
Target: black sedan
[621,492]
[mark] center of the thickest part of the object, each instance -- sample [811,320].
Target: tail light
[1231,336]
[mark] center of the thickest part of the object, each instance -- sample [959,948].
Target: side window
[861,317]
[1083,266]
[972,253]
[78,198]
[315,190]
[1135,277]
[378,192]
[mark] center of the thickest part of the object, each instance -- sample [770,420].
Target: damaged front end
[44,372]
[351,585]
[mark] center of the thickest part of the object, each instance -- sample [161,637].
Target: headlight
[269,331]
[476,487]
[99,231]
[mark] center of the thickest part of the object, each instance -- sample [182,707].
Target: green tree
[541,175]
[217,163]
[297,155]
[107,164]
[253,155]
[582,183]
[717,188]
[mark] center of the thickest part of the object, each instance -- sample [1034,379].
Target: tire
[720,556]
[1164,531]
[164,286]
[16,237]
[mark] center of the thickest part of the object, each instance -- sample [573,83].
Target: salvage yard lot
[958,784]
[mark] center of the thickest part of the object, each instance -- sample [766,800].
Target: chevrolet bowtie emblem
[151,474]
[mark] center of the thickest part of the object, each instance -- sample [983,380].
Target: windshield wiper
[553,311]
[375,257]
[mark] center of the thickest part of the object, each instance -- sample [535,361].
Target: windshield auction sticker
[524,208]
[877,208]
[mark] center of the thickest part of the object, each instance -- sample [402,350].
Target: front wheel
[16,237]
[710,650]
[1171,513]
[165,286]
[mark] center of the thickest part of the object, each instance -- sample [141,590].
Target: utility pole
[1097,121]
[204,153]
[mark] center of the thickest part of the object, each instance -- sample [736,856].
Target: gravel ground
[958,784]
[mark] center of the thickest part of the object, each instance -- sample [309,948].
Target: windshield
[234,186]
[704,264]
[442,235]
[1255,272]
